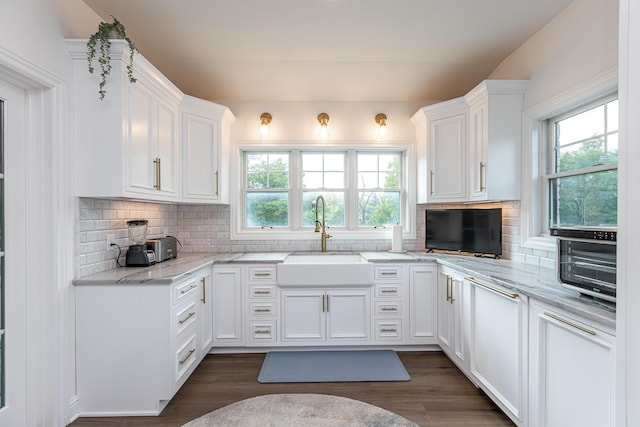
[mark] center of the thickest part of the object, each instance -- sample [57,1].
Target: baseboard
[73,411]
[399,348]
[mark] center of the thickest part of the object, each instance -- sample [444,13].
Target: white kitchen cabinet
[227,306]
[453,317]
[390,291]
[495,139]
[442,151]
[423,309]
[330,316]
[262,307]
[572,370]
[205,307]
[127,145]
[136,344]
[498,356]
[205,151]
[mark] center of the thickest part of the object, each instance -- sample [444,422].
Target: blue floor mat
[332,366]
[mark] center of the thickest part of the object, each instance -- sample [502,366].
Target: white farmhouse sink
[324,269]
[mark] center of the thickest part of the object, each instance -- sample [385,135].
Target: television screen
[478,231]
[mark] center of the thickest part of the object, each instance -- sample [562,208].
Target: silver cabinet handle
[431,183]
[389,291]
[262,331]
[482,186]
[257,274]
[262,310]
[262,292]
[388,308]
[491,288]
[388,273]
[187,318]
[183,361]
[567,322]
[158,184]
[204,290]
[388,330]
[184,291]
[217,182]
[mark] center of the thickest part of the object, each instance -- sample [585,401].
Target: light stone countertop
[532,281]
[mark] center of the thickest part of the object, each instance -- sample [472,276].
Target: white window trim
[409,213]
[535,144]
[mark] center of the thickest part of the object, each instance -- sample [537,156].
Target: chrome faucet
[320,225]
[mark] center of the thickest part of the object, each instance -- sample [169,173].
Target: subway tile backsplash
[207,228]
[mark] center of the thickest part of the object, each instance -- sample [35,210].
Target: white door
[206,312]
[423,308]
[12,256]
[447,154]
[227,306]
[200,155]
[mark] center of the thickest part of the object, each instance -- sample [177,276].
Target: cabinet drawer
[262,309]
[388,272]
[262,291]
[185,317]
[393,308]
[184,290]
[185,359]
[390,290]
[388,330]
[262,274]
[262,331]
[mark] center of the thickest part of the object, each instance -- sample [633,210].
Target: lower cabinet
[423,309]
[205,308]
[227,306]
[572,370]
[453,317]
[498,358]
[136,344]
[315,315]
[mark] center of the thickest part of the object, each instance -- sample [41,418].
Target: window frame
[238,231]
[534,207]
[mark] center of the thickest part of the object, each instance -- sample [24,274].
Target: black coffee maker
[137,254]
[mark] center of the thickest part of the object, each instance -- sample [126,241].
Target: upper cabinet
[442,151]
[495,135]
[146,140]
[205,151]
[469,148]
[126,145]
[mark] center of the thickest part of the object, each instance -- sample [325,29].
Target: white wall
[580,43]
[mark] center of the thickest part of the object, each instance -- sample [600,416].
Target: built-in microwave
[587,260]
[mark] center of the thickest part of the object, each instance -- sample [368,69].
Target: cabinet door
[453,314]
[140,153]
[478,140]
[498,328]
[423,294]
[166,148]
[348,314]
[572,371]
[201,179]
[205,335]
[227,306]
[447,158]
[446,320]
[303,317]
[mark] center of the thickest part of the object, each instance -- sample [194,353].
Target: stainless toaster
[164,247]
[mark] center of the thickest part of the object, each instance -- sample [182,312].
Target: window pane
[378,208]
[585,200]
[333,211]
[267,170]
[267,209]
[378,170]
[612,116]
[581,126]
[581,155]
[321,170]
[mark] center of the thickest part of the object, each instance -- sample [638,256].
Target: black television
[477,231]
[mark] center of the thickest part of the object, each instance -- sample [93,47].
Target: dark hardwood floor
[438,395]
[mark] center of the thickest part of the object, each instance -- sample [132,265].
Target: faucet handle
[327,235]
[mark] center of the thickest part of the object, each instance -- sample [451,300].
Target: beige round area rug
[297,410]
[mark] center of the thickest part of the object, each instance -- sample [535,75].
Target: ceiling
[328,50]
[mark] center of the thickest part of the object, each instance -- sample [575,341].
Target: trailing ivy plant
[99,47]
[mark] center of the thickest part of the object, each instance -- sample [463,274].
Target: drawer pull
[262,331]
[184,291]
[389,291]
[388,330]
[566,322]
[388,273]
[491,288]
[262,292]
[262,310]
[267,274]
[389,309]
[183,361]
[204,290]
[187,318]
